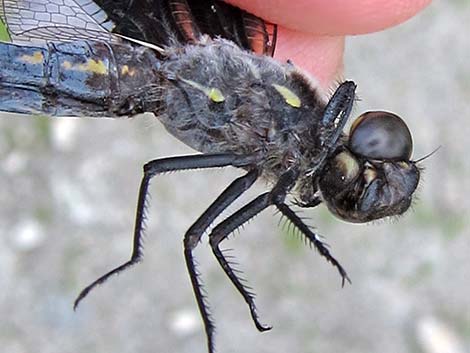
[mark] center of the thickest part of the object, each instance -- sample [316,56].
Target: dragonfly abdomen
[81,78]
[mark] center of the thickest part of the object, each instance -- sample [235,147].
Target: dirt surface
[67,210]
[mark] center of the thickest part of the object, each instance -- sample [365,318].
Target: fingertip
[321,56]
[334,17]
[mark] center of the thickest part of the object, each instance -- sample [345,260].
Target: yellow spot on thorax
[214,94]
[91,65]
[36,58]
[290,97]
[125,70]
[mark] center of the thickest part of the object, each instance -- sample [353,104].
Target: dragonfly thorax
[220,98]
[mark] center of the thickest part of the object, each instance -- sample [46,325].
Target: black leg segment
[221,232]
[225,228]
[313,239]
[275,197]
[193,237]
[160,166]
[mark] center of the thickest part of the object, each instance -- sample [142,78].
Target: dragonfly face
[372,177]
[201,68]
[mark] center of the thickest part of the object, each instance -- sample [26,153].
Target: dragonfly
[206,72]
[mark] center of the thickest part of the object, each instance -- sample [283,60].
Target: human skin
[311,33]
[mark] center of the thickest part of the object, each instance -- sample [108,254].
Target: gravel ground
[67,210]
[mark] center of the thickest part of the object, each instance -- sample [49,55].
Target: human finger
[334,17]
[320,55]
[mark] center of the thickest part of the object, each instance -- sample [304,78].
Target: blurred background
[68,194]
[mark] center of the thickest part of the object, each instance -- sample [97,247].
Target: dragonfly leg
[338,110]
[334,119]
[193,237]
[313,238]
[221,232]
[151,169]
[226,227]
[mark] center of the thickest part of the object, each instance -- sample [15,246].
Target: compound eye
[381,135]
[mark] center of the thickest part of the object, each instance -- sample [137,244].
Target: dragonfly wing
[164,22]
[217,18]
[38,21]
[159,22]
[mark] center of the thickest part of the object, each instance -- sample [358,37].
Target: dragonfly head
[371,176]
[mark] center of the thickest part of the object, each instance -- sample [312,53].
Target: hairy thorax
[220,98]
